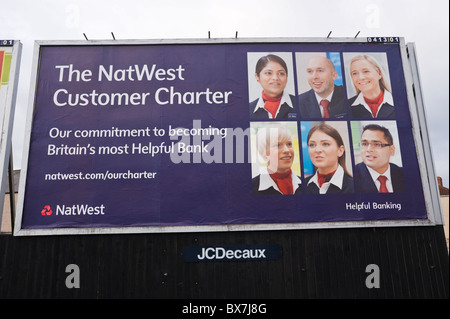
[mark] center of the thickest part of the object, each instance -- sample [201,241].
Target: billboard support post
[12,200]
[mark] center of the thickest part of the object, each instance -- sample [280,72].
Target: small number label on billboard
[6,42]
[383,39]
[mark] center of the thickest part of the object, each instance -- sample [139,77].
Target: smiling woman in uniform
[374,98]
[271,73]
[276,147]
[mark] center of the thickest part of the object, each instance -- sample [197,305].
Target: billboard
[10,51]
[212,135]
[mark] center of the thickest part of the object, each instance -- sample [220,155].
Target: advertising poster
[219,136]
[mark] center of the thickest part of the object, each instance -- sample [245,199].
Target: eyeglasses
[375,145]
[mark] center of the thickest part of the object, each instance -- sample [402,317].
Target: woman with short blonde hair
[275,146]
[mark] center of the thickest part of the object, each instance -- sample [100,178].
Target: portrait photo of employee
[327,152]
[271,89]
[275,151]
[377,173]
[371,95]
[324,97]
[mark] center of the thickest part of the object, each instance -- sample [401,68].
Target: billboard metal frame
[419,127]
[6,122]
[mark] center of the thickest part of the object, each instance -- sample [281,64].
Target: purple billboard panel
[189,136]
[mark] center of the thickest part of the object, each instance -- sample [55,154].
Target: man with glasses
[376,174]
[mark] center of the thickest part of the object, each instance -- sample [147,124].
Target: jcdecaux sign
[231,253]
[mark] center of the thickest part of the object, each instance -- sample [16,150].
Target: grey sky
[425,23]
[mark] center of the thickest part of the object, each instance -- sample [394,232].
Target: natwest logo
[47,211]
[81,209]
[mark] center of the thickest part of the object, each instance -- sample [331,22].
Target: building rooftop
[442,190]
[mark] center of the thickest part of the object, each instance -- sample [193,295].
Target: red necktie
[382,179]
[325,104]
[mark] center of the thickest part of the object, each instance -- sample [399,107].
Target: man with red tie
[376,174]
[325,99]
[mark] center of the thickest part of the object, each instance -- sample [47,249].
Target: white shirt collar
[386,99]
[284,99]
[337,180]
[266,182]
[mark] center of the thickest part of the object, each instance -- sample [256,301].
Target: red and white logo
[47,211]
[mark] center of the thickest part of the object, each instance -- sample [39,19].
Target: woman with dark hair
[271,72]
[327,152]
